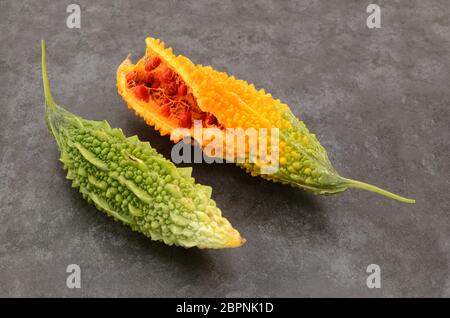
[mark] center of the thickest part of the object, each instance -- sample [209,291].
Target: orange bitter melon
[171,92]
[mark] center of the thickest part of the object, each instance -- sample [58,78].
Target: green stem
[372,188]
[48,95]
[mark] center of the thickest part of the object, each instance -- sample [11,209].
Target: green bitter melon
[129,181]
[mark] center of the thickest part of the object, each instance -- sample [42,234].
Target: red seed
[131,76]
[141,92]
[167,75]
[149,78]
[182,90]
[165,110]
[198,116]
[172,89]
[185,120]
[211,119]
[152,63]
[156,83]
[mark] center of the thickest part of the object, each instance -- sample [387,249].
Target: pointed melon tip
[236,242]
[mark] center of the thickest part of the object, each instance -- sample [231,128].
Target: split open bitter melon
[171,92]
[129,181]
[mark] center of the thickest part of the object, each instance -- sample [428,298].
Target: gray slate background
[377,99]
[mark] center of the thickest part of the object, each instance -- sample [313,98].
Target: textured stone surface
[377,99]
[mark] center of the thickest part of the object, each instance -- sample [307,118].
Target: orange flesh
[154,81]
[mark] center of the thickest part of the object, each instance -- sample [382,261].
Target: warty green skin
[129,181]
